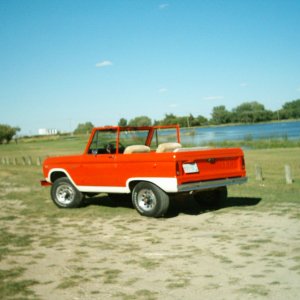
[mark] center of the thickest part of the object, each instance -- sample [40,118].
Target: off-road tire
[149,200]
[65,195]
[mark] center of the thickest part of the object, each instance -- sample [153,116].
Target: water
[280,130]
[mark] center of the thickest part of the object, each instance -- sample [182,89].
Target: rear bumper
[204,185]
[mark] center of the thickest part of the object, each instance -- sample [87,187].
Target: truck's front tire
[64,194]
[149,200]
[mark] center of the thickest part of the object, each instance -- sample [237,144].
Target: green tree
[199,121]
[122,122]
[7,133]
[182,121]
[84,128]
[220,115]
[169,119]
[250,112]
[291,110]
[140,121]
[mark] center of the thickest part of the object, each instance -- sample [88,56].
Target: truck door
[99,165]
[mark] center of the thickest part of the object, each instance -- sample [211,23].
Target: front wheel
[149,200]
[64,194]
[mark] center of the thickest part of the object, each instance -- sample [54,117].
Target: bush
[7,133]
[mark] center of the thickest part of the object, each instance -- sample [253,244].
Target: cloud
[173,105]
[213,98]
[104,63]
[163,6]
[162,90]
[243,84]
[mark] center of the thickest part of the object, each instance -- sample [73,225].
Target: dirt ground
[231,253]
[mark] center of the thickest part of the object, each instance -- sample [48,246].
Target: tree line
[254,112]
[247,112]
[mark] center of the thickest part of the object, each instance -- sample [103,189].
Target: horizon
[68,62]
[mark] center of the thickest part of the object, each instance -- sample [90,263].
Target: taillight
[243,163]
[177,168]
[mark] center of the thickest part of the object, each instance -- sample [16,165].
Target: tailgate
[212,164]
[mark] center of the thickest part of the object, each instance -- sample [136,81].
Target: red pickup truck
[147,162]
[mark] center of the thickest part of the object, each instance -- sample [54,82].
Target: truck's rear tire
[149,200]
[212,198]
[64,194]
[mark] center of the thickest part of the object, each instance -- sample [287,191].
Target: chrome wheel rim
[65,194]
[146,200]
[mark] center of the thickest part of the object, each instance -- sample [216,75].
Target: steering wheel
[111,147]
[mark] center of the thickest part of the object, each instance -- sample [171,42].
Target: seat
[136,149]
[167,147]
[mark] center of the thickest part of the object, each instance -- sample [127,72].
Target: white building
[45,131]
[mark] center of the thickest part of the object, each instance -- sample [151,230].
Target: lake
[279,130]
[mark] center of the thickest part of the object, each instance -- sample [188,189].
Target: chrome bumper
[204,185]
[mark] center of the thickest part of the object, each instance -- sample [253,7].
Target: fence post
[288,174]
[258,173]
[29,160]
[38,161]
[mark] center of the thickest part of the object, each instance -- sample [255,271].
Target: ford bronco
[148,163]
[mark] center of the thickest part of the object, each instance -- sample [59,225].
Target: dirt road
[231,253]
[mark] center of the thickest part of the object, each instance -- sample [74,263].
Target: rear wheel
[149,200]
[213,198]
[64,194]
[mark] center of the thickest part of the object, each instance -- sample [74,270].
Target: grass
[255,290]
[148,263]
[271,143]
[273,190]
[11,287]
[111,276]
[143,294]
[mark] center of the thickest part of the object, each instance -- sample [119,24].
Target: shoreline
[243,124]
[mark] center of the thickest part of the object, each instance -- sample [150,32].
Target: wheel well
[132,184]
[56,175]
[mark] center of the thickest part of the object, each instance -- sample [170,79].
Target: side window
[104,142]
[133,137]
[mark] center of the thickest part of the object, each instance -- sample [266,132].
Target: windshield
[103,142]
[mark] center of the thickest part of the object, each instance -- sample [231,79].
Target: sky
[65,62]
